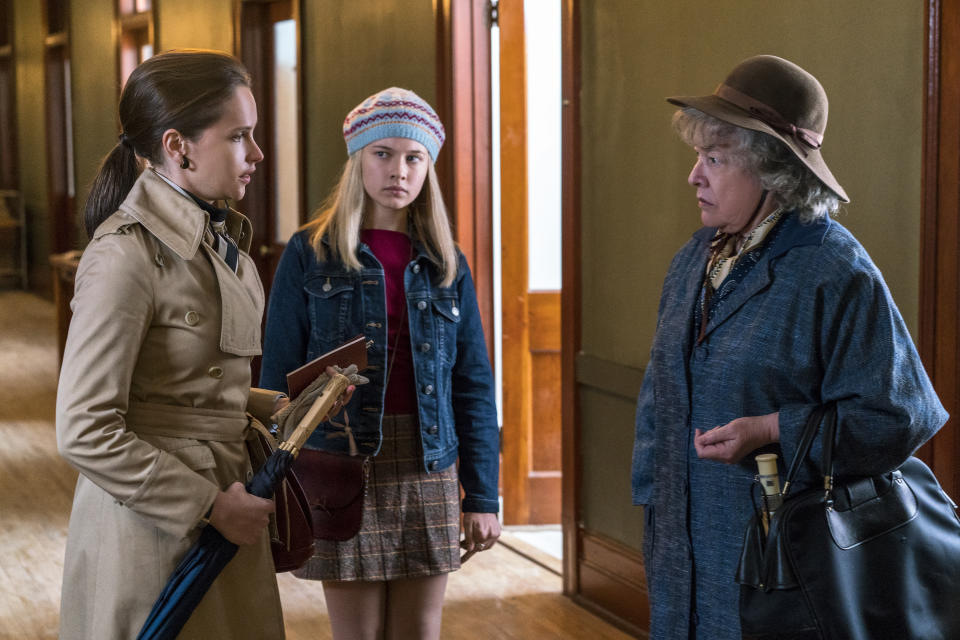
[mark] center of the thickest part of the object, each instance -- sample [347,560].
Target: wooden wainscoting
[545,433]
[612,582]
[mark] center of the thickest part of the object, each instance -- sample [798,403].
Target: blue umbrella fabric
[204,561]
[208,556]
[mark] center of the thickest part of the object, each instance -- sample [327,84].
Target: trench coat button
[191,318]
[421,305]
[215,372]
[428,389]
[425,347]
[158,259]
[433,466]
[433,430]
[416,268]
[455,311]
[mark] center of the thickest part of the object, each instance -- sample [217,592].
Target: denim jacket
[316,306]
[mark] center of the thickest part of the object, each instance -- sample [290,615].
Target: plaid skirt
[411,519]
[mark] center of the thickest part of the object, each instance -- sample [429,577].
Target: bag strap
[820,413]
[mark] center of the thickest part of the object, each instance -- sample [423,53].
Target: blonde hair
[340,217]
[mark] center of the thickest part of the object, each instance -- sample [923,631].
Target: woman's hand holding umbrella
[240,516]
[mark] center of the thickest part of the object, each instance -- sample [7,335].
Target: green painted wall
[637,209]
[188,24]
[352,50]
[96,89]
[31,136]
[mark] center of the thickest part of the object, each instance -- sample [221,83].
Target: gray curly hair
[790,183]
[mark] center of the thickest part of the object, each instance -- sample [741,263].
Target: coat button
[158,259]
[416,268]
[456,312]
[428,389]
[433,430]
[433,466]
[191,318]
[421,305]
[215,372]
[425,347]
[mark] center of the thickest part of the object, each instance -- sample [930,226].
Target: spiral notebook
[353,351]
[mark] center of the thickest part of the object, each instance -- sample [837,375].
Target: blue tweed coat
[812,322]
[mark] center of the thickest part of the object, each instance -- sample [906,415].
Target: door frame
[939,333]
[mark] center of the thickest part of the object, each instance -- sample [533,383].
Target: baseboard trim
[612,583]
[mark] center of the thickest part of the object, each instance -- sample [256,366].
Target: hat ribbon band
[769,116]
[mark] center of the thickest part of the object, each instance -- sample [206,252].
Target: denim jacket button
[428,389]
[416,268]
[425,347]
[327,286]
[433,466]
[433,430]
[421,305]
[455,311]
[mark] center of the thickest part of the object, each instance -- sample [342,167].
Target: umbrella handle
[318,410]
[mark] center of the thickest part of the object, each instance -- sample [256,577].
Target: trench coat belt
[150,418]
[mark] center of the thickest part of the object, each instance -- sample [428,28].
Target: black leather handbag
[860,559]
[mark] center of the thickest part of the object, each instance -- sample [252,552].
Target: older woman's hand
[729,443]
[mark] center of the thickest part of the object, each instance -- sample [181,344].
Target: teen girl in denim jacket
[379,260]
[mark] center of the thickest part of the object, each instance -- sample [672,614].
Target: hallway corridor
[499,594]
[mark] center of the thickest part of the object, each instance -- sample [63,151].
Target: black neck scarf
[223,244]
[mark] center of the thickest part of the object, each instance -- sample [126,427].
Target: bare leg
[356,609]
[415,608]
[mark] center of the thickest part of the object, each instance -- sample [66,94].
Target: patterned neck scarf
[223,244]
[724,253]
[727,267]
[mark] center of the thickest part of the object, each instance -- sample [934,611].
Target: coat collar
[174,219]
[793,234]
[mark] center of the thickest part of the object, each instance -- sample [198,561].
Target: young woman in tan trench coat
[155,385]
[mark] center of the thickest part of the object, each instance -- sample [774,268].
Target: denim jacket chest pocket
[330,300]
[446,324]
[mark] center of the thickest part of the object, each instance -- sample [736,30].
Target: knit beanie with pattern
[393,113]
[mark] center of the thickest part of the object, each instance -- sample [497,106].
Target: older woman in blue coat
[771,309]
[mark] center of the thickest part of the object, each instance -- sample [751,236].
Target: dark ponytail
[115,178]
[182,90]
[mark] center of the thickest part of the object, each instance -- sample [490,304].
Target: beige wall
[637,209]
[352,50]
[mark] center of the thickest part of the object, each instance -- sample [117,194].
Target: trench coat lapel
[180,224]
[794,234]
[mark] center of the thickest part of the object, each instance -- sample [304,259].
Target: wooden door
[269,46]
[531,320]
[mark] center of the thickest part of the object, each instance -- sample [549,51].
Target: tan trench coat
[151,410]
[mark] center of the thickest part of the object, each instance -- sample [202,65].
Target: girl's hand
[480,532]
[240,516]
[731,442]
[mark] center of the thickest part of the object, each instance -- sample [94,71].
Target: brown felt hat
[777,97]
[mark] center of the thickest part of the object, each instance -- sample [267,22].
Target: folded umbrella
[210,554]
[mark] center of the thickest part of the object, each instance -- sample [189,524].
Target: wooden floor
[498,594]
